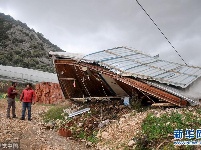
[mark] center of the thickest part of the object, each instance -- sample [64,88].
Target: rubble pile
[48,93]
[87,124]
[120,134]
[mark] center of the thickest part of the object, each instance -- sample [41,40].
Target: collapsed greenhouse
[121,72]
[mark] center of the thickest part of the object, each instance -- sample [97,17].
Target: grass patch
[163,126]
[93,137]
[54,113]
[3,95]
[156,130]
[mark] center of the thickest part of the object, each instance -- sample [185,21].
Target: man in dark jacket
[27,97]
[12,93]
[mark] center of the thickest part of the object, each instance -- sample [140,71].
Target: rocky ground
[118,135]
[31,134]
[121,134]
[116,126]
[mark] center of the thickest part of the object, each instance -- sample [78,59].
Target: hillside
[21,46]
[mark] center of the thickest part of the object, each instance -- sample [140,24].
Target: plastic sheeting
[26,75]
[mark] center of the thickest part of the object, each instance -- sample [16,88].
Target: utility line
[161,31]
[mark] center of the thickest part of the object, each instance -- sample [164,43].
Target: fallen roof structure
[119,71]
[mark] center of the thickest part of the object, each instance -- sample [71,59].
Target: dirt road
[31,134]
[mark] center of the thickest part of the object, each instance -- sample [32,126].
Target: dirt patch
[31,134]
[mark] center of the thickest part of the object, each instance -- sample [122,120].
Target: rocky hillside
[21,46]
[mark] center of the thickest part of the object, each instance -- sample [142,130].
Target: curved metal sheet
[130,62]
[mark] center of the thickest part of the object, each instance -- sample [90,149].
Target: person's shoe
[8,117]
[14,116]
[21,118]
[29,119]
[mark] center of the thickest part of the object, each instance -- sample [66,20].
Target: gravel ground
[31,134]
[118,134]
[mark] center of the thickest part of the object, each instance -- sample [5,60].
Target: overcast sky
[86,26]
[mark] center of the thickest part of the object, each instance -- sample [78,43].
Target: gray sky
[86,26]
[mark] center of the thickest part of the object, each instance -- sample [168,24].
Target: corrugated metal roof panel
[117,60]
[137,64]
[177,92]
[154,73]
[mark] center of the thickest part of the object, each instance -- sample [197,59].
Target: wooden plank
[67,79]
[162,104]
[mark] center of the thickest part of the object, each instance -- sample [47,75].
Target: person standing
[28,98]
[12,93]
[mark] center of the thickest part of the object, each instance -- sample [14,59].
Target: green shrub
[156,130]
[160,127]
[93,137]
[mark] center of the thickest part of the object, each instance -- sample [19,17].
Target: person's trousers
[11,103]
[26,105]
